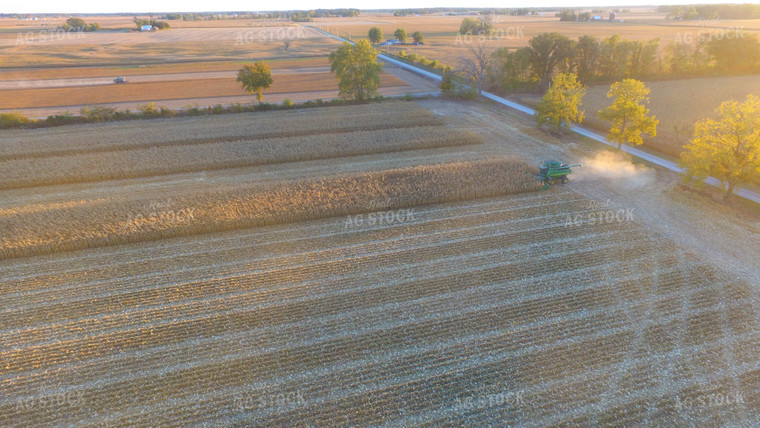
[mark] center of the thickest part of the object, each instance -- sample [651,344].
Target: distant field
[186,67]
[52,55]
[160,64]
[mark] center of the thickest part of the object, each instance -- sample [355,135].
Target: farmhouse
[146,28]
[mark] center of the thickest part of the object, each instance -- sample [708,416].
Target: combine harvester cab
[552,172]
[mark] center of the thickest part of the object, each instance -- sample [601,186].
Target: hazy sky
[111,6]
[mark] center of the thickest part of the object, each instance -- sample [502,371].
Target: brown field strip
[136,54]
[178,89]
[188,67]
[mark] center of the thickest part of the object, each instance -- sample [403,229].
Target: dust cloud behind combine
[615,167]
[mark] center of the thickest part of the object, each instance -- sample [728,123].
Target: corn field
[352,271]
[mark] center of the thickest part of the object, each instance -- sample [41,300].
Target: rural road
[744,193]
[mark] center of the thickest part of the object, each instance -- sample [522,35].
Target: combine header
[552,172]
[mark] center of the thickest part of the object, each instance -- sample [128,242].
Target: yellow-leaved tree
[255,78]
[628,113]
[727,148]
[561,104]
[357,70]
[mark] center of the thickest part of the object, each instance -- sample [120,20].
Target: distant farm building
[146,28]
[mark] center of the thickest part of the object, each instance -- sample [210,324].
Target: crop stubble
[371,324]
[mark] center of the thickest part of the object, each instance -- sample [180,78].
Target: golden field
[164,68]
[168,90]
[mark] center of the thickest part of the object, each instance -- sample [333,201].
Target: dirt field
[31,74]
[531,309]
[183,90]
[171,89]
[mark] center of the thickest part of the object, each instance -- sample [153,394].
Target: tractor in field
[552,172]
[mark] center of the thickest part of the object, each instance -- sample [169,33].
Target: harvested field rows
[173,159]
[465,300]
[205,129]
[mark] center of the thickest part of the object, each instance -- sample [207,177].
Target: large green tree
[727,148]
[511,69]
[255,78]
[547,51]
[476,26]
[628,113]
[400,34]
[561,105]
[375,35]
[587,55]
[643,58]
[357,70]
[735,55]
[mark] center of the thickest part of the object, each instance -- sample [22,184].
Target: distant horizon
[232,6]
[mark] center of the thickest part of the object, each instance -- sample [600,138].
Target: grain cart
[552,172]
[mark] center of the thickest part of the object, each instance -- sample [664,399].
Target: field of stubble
[439,290]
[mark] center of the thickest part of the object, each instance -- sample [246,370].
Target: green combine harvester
[552,172]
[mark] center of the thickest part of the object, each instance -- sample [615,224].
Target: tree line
[712,11]
[78,24]
[614,58]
